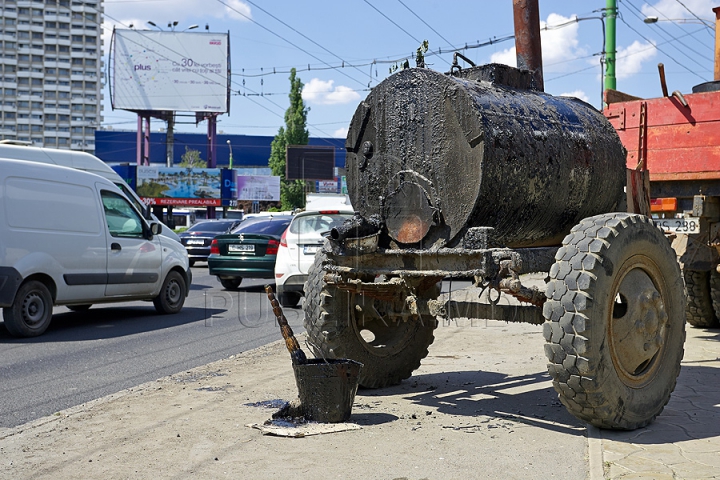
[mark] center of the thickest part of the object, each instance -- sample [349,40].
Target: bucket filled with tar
[326,387]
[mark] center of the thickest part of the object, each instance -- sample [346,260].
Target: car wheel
[230,283]
[290,299]
[172,294]
[30,313]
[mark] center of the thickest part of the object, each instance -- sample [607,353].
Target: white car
[298,245]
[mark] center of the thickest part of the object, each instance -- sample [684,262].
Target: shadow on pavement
[100,323]
[528,399]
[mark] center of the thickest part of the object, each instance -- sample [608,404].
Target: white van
[79,161]
[69,237]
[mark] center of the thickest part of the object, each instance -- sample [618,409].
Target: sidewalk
[481,406]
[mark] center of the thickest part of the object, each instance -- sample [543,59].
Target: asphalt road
[87,355]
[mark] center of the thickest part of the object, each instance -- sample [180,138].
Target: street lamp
[654,19]
[191,27]
[152,24]
[230,147]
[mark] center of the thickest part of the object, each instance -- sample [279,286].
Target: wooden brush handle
[296,354]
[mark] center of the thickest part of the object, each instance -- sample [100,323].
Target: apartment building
[50,72]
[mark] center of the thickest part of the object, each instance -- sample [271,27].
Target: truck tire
[615,326]
[172,294]
[715,297]
[31,312]
[699,311]
[389,351]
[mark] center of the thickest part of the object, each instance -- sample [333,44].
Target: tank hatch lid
[499,74]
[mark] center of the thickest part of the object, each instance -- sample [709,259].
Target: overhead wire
[222,2]
[426,24]
[303,35]
[639,15]
[655,43]
[692,13]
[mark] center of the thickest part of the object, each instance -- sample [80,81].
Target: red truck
[674,142]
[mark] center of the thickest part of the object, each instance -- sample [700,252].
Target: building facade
[51,72]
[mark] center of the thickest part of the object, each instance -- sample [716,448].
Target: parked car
[298,246]
[198,237]
[72,238]
[248,251]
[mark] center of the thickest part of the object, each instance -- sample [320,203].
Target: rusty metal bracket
[642,138]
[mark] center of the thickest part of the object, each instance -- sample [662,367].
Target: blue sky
[341,48]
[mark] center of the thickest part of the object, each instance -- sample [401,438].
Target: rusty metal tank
[434,154]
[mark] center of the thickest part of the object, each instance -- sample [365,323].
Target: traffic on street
[89,354]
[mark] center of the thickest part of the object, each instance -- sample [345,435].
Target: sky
[343,48]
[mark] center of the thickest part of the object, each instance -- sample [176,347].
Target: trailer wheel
[31,312]
[615,321]
[699,311]
[389,350]
[715,296]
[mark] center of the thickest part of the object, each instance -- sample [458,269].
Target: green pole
[610,16]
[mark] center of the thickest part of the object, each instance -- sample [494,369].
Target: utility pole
[610,15]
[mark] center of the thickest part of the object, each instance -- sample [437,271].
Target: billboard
[258,188]
[179,186]
[308,162]
[172,71]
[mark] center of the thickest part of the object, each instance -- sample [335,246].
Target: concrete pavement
[481,406]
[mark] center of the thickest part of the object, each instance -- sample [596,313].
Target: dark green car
[248,251]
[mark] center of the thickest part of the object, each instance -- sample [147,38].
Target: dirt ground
[481,406]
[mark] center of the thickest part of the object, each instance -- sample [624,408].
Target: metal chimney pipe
[717,43]
[526,16]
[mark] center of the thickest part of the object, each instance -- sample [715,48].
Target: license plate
[195,242]
[310,249]
[686,225]
[241,248]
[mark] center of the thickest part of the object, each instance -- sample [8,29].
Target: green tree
[191,159]
[295,132]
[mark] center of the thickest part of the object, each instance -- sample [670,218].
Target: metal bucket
[327,388]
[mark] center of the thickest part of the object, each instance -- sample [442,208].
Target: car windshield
[318,223]
[266,226]
[211,226]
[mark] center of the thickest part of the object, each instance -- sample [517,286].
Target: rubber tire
[581,347]
[79,308]
[290,299]
[715,297]
[172,294]
[231,283]
[31,312]
[331,333]
[699,311]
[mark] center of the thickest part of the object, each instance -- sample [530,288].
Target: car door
[134,262]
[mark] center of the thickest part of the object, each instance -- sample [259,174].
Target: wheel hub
[638,326]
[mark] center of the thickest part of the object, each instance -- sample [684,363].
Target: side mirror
[156,228]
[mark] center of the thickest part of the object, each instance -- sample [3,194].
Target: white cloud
[323,93]
[557,44]
[340,133]
[672,9]
[630,59]
[577,94]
